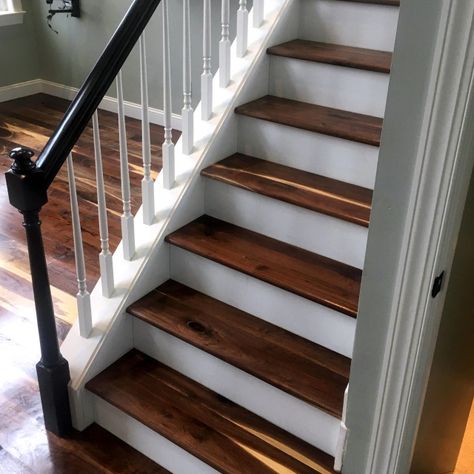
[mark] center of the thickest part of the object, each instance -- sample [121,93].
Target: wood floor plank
[293,364]
[315,118]
[317,193]
[219,432]
[348,56]
[320,279]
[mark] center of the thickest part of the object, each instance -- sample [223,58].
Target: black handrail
[28,182]
[94,89]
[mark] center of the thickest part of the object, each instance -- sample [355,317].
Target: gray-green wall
[67,57]
[18,50]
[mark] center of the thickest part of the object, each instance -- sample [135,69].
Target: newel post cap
[22,160]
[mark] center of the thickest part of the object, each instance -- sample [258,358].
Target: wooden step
[315,118]
[295,365]
[360,58]
[320,279]
[222,434]
[317,193]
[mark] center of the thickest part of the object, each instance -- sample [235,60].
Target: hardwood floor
[25,447]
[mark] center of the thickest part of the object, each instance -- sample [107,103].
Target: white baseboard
[37,86]
[22,89]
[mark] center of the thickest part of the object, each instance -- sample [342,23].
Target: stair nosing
[214,172]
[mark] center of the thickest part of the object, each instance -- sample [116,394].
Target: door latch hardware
[437,285]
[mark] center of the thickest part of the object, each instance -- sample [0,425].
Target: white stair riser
[333,157]
[344,88]
[283,410]
[325,235]
[148,442]
[298,315]
[349,23]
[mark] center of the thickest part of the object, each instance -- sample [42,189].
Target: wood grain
[320,279]
[209,426]
[315,118]
[293,364]
[316,193]
[348,56]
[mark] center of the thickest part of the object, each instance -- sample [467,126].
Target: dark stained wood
[393,3]
[348,56]
[293,364]
[320,279]
[219,432]
[315,118]
[317,193]
[25,446]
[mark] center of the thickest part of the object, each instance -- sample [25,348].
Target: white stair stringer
[158,448]
[362,25]
[293,415]
[344,88]
[336,158]
[328,236]
[111,336]
[294,313]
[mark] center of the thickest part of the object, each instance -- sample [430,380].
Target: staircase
[241,359]
[220,335]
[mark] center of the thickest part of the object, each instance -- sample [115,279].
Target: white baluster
[128,229]
[206,76]
[224,45]
[258,12]
[168,146]
[187,111]
[148,196]
[242,28]
[83,297]
[105,257]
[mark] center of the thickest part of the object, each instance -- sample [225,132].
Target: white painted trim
[13,15]
[392,356]
[11,18]
[110,104]
[22,89]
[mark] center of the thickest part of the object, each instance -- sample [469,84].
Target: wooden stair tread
[317,193]
[315,118]
[360,58]
[222,434]
[301,368]
[320,279]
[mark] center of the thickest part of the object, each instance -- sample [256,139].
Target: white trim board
[36,86]
[22,89]
[421,187]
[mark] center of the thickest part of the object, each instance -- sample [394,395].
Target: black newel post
[28,193]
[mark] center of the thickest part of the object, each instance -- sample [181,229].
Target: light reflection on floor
[465,464]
